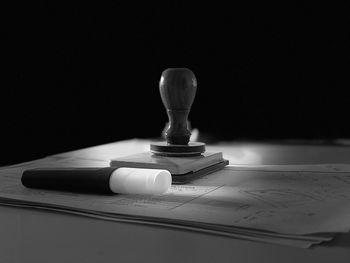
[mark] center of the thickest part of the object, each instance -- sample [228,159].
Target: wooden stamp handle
[177,89]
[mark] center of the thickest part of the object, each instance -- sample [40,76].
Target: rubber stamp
[185,160]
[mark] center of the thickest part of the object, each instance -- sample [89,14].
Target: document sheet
[296,205]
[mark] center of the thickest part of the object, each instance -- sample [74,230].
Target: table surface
[32,235]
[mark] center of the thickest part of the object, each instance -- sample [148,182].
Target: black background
[76,75]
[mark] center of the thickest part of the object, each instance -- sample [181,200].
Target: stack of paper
[291,205]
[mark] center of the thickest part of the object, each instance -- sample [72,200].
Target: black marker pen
[105,180]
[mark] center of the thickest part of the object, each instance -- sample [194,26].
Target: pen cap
[139,181]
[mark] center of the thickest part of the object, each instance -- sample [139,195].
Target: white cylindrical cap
[139,181]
